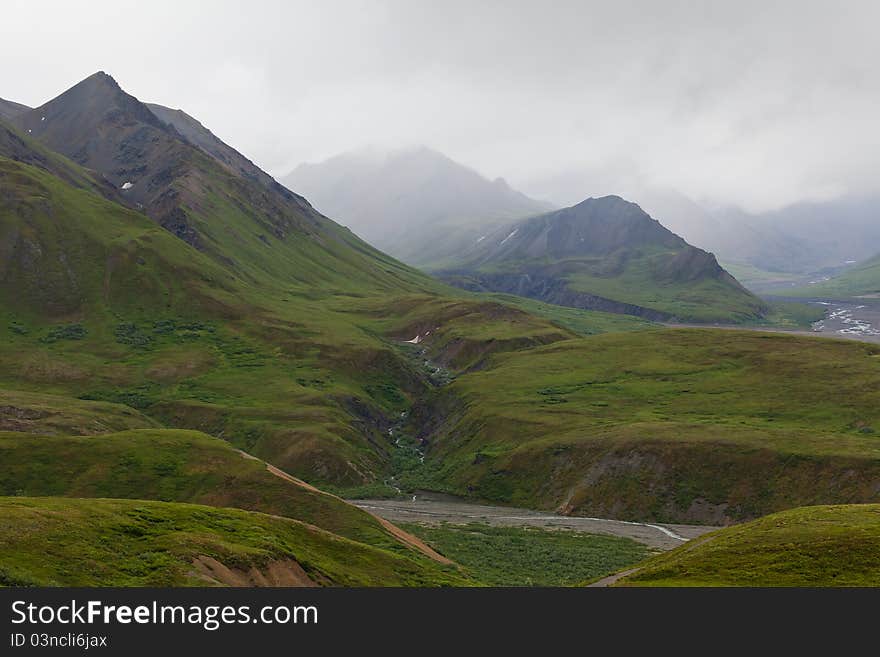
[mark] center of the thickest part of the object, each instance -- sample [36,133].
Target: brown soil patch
[283,572]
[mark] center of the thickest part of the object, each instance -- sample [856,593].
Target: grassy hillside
[100,303]
[67,252]
[861,280]
[700,299]
[51,414]
[760,280]
[582,322]
[812,546]
[176,466]
[676,425]
[145,336]
[74,542]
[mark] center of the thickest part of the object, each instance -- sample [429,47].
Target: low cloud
[758,104]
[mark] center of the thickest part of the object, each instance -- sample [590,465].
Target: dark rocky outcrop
[551,290]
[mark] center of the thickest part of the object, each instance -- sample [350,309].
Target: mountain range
[434,213]
[191,354]
[803,238]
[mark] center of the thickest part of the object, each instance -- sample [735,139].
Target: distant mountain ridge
[416,204]
[605,254]
[10,109]
[801,238]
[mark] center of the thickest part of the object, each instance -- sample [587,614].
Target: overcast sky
[758,104]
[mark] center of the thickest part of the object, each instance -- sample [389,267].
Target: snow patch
[480,239]
[419,338]
[515,231]
[127,185]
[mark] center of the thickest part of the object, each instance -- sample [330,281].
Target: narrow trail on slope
[413,542]
[611,579]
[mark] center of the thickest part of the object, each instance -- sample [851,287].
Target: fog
[754,104]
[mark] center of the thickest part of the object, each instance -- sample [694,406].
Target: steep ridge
[241,219]
[10,109]
[198,135]
[605,254]
[79,274]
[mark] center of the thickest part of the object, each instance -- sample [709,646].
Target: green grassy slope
[100,303]
[172,465]
[862,280]
[52,414]
[582,322]
[703,299]
[678,425]
[253,319]
[812,546]
[74,542]
[67,252]
[755,278]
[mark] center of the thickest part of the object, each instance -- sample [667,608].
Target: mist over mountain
[837,232]
[802,238]
[739,240]
[416,204]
